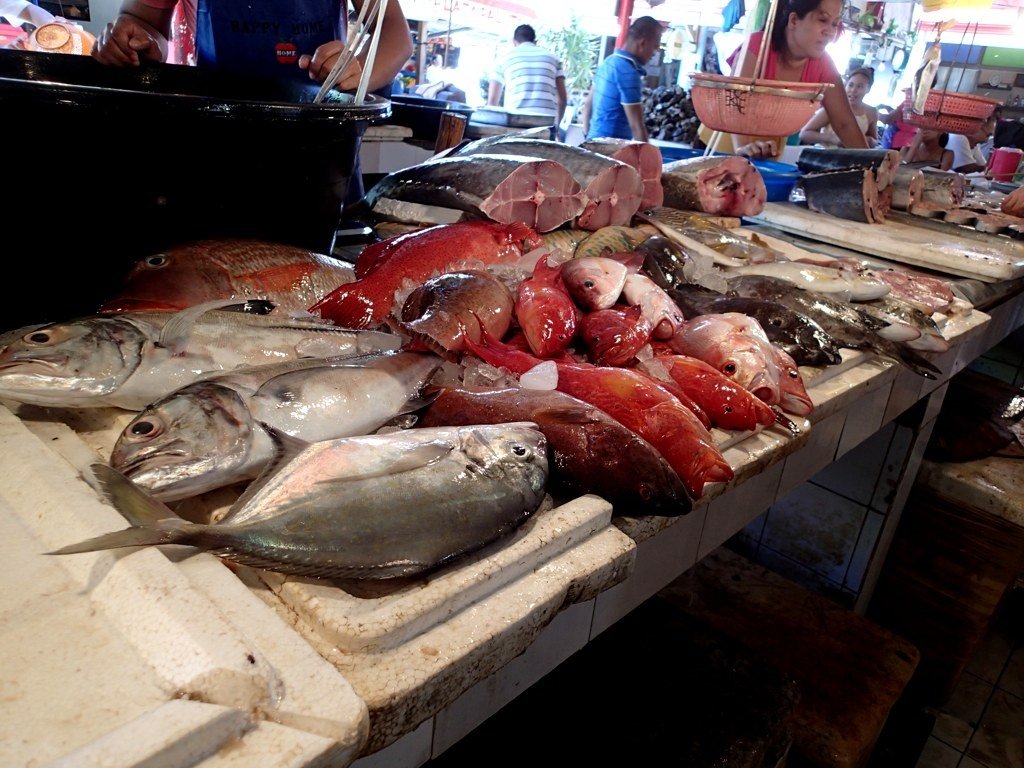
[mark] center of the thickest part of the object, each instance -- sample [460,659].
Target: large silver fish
[207,435]
[371,507]
[132,359]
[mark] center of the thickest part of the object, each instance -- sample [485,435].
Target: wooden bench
[850,671]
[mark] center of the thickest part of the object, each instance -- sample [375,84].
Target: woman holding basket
[796,54]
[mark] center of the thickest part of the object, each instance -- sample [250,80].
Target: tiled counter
[118,657]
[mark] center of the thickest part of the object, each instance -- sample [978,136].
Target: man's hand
[319,65]
[127,41]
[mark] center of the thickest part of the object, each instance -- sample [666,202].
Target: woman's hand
[759,150]
[319,65]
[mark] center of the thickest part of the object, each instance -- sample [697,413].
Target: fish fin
[418,457]
[418,403]
[137,506]
[784,420]
[178,328]
[130,537]
[286,448]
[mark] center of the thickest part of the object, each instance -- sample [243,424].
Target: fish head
[73,363]
[594,282]
[613,336]
[749,368]
[793,395]
[515,451]
[192,441]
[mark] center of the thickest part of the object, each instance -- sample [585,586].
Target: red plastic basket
[944,123]
[754,107]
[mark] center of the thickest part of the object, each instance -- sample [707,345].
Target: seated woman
[796,54]
[819,130]
[928,149]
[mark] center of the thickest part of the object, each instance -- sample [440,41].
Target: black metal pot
[118,163]
[423,115]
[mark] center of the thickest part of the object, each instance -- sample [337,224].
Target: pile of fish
[461,371]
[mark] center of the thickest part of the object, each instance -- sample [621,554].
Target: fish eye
[729,369]
[520,450]
[727,409]
[38,337]
[793,374]
[144,428]
[157,260]
[776,321]
[646,494]
[588,283]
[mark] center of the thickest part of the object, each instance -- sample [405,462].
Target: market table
[158,654]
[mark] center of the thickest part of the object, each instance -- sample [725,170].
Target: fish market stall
[370,574]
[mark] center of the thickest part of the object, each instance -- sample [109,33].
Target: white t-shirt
[963,152]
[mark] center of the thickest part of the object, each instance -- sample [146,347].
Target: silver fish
[370,507]
[207,435]
[131,359]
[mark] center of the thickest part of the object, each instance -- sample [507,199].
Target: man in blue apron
[275,38]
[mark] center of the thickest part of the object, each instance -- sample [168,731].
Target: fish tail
[917,363]
[129,537]
[348,307]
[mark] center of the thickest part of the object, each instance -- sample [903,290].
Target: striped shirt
[529,74]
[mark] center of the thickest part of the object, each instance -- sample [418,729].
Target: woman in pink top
[797,55]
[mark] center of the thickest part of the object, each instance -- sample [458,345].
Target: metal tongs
[371,12]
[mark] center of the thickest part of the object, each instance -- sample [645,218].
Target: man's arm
[635,116]
[494,89]
[562,98]
[588,105]
[140,31]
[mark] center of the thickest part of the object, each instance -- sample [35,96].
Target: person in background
[796,54]
[614,107]
[968,156]
[928,149]
[858,83]
[435,69]
[897,134]
[530,78]
[262,37]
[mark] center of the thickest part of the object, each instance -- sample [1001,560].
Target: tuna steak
[645,157]
[731,185]
[612,190]
[539,192]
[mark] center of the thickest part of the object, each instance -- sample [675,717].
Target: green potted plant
[578,51]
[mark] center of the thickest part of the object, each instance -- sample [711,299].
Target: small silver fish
[207,435]
[371,507]
[131,359]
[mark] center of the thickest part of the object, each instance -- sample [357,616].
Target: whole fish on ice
[132,359]
[208,435]
[369,507]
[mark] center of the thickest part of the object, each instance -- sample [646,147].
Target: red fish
[195,273]
[545,311]
[635,400]
[793,395]
[438,312]
[367,302]
[614,336]
[727,404]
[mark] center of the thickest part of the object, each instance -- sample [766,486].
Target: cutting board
[905,243]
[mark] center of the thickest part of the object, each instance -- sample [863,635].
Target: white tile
[906,390]
[728,514]
[755,527]
[952,730]
[967,703]
[938,395]
[854,474]
[816,528]
[1012,679]
[659,560]
[411,749]
[863,551]
[936,754]
[814,456]
[892,468]
[864,419]
[567,633]
[991,657]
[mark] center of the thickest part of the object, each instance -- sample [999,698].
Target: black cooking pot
[423,115]
[117,163]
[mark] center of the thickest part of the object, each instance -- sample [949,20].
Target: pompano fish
[367,302]
[132,359]
[369,507]
[207,435]
[638,402]
[232,268]
[590,451]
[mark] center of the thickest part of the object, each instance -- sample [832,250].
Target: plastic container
[106,165]
[423,115]
[779,178]
[1003,163]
